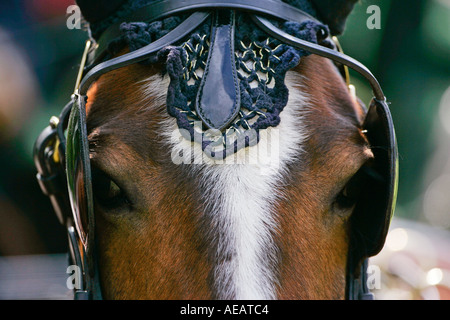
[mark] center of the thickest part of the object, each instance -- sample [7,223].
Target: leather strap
[219,99]
[357,288]
[186,27]
[279,34]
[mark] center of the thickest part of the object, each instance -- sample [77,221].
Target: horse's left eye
[106,192]
[347,198]
[350,194]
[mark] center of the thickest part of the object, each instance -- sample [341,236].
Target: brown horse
[271,221]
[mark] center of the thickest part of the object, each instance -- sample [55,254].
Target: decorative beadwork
[261,64]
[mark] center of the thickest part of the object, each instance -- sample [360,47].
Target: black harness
[371,218]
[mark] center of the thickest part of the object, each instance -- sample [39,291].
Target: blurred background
[409,54]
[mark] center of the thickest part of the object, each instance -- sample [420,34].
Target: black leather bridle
[371,218]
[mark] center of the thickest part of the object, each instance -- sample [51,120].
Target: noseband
[63,162]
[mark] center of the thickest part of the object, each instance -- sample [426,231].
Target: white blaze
[239,195]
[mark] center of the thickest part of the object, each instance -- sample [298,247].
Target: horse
[158,199]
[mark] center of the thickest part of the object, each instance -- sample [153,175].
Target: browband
[158,10]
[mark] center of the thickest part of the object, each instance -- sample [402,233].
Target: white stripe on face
[239,196]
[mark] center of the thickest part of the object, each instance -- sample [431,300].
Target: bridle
[63,161]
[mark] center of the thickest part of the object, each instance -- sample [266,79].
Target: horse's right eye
[106,192]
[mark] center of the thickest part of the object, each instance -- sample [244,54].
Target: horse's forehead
[129,108]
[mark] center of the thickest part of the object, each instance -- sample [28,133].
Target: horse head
[231,161]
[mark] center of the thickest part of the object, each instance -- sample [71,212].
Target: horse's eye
[106,192]
[350,194]
[347,198]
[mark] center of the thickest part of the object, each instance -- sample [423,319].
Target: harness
[62,161]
